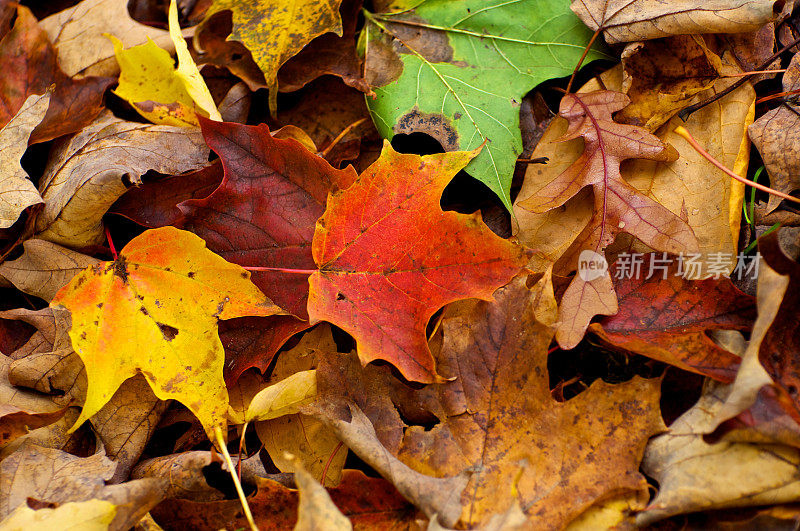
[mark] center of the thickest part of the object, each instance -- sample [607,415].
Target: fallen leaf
[16,189]
[662,76]
[154,203]
[89,515]
[458,72]
[32,67]
[618,206]
[184,474]
[274,31]
[328,54]
[107,154]
[775,137]
[369,503]
[498,418]
[310,441]
[638,20]
[285,397]
[385,242]
[693,475]
[21,410]
[58,477]
[44,268]
[263,213]
[144,288]
[315,509]
[78,36]
[667,317]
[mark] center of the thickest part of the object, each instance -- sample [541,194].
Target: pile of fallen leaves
[400,264]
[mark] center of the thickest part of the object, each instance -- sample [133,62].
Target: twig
[242,498]
[583,56]
[341,135]
[680,130]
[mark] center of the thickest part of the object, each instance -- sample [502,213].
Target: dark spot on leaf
[245,274]
[83,335]
[169,332]
[144,310]
[437,126]
[191,274]
[383,64]
[99,305]
[433,45]
[121,269]
[340,296]
[456,116]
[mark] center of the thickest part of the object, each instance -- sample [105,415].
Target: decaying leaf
[618,207]
[386,239]
[108,153]
[44,268]
[78,35]
[275,30]
[638,20]
[145,288]
[17,192]
[458,72]
[54,476]
[775,135]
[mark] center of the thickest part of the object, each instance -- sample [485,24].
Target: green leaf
[458,71]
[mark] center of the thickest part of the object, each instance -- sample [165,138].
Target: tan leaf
[184,473]
[87,173]
[283,398]
[638,20]
[316,510]
[77,33]
[17,192]
[776,135]
[44,268]
[54,476]
[696,476]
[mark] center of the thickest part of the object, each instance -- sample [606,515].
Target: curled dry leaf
[17,192]
[54,476]
[184,474]
[386,238]
[315,509]
[638,20]
[667,317]
[78,36]
[31,68]
[775,136]
[145,289]
[618,207]
[696,476]
[86,173]
[44,268]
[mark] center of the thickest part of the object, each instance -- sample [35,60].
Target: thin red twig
[111,244]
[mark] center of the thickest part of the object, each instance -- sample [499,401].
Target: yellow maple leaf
[154,310]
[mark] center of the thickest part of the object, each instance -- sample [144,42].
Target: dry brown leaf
[54,476]
[316,510]
[498,419]
[696,476]
[776,135]
[17,192]
[638,20]
[661,76]
[618,207]
[77,33]
[184,474]
[86,173]
[44,268]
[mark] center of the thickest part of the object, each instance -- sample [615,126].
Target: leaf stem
[280,270]
[680,130]
[583,56]
[340,136]
[242,498]
[111,244]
